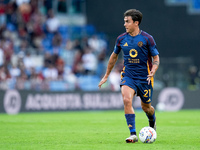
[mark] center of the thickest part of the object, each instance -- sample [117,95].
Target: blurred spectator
[47,59]
[12,14]
[166,79]
[193,72]
[7,46]
[52,22]
[14,72]
[36,79]
[22,79]
[84,42]
[21,2]
[35,30]
[78,64]
[68,53]
[59,66]
[23,48]
[115,79]
[36,75]
[50,73]
[77,45]
[97,44]
[1,57]
[23,32]
[25,11]
[2,14]
[57,40]
[89,61]
[4,73]
[34,5]
[70,78]
[28,63]
[56,43]
[101,64]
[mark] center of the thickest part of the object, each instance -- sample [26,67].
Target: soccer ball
[147,135]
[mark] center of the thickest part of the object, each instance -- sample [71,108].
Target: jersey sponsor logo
[140,44]
[126,44]
[133,53]
[133,60]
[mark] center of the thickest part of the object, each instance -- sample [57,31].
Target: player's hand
[103,80]
[150,76]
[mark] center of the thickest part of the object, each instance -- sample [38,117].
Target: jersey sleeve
[152,47]
[117,47]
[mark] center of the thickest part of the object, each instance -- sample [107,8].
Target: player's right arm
[111,63]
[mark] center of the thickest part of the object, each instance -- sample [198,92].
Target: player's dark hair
[135,14]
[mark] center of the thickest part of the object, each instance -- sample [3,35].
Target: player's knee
[127,101]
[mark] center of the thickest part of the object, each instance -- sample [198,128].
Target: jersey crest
[140,44]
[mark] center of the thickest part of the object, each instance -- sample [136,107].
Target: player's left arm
[156,62]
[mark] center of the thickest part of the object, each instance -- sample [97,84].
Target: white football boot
[132,139]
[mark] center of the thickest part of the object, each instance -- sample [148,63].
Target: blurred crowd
[37,52]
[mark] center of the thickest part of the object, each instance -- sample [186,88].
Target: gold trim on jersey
[152,79]
[123,71]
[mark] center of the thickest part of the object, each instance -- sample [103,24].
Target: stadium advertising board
[22,101]
[168,99]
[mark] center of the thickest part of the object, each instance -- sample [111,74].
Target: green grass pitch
[96,130]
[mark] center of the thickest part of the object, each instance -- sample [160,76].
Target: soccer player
[141,60]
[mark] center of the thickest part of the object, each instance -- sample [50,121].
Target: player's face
[129,24]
